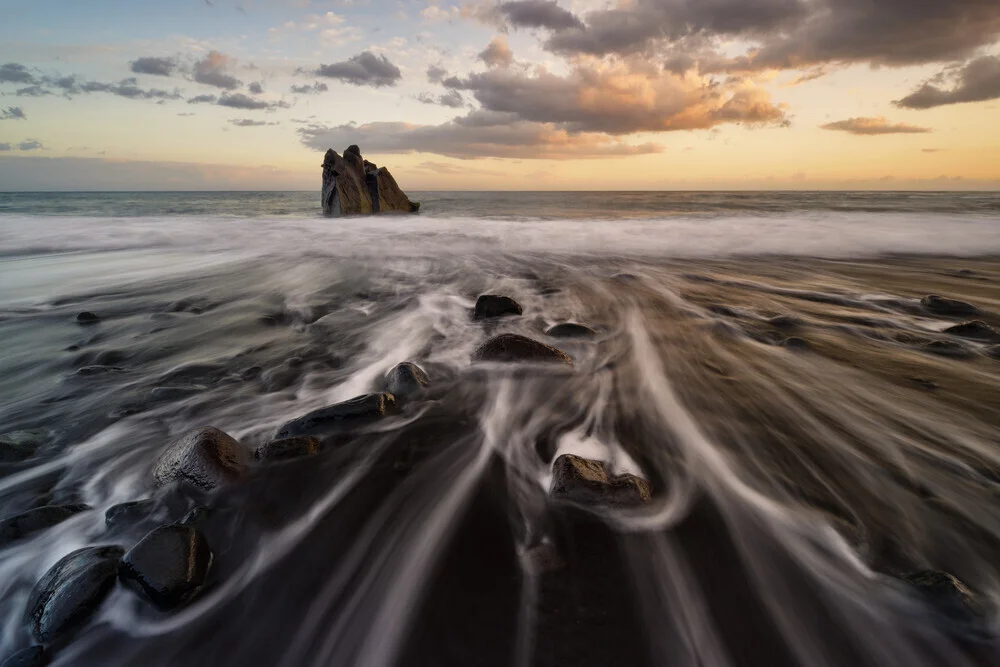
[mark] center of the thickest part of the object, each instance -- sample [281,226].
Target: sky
[501,94]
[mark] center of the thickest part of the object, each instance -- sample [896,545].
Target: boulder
[945,594]
[287,448]
[206,458]
[406,380]
[570,330]
[33,656]
[331,419]
[34,521]
[87,317]
[128,514]
[353,186]
[939,305]
[586,481]
[20,445]
[514,348]
[976,330]
[167,567]
[66,596]
[489,306]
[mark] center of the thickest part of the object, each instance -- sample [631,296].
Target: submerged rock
[796,343]
[947,348]
[206,458]
[489,306]
[946,594]
[406,380]
[287,448]
[130,513]
[586,481]
[976,330]
[87,317]
[167,567]
[20,445]
[34,521]
[514,348]
[939,305]
[355,412]
[353,187]
[72,589]
[993,352]
[33,656]
[571,330]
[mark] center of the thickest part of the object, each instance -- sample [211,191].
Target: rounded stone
[87,317]
[287,448]
[406,380]
[167,567]
[206,458]
[510,348]
[571,330]
[489,306]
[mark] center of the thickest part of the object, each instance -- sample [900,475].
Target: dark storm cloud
[212,70]
[452,99]
[306,89]
[15,73]
[203,99]
[977,81]
[364,69]
[436,73]
[477,134]
[249,122]
[256,88]
[153,66]
[13,113]
[241,101]
[874,126]
[795,33]
[539,14]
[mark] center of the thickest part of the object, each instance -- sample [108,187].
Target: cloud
[872,126]
[30,145]
[977,81]
[15,73]
[212,70]
[5,147]
[452,99]
[203,99]
[498,53]
[256,88]
[32,91]
[620,98]
[249,122]
[433,13]
[539,14]
[127,88]
[153,66]
[448,169]
[477,134]
[306,89]
[790,34]
[13,113]
[241,101]
[363,69]
[436,73]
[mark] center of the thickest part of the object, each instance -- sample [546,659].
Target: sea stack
[355,186]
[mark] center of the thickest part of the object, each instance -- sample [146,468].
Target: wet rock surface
[167,567]
[353,413]
[20,445]
[66,596]
[33,656]
[489,306]
[353,186]
[206,458]
[975,330]
[940,305]
[87,317]
[946,594]
[571,330]
[287,448]
[128,514]
[33,521]
[512,348]
[587,482]
[406,380]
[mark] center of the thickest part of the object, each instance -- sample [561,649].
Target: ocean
[772,442]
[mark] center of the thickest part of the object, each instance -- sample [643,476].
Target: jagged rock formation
[355,186]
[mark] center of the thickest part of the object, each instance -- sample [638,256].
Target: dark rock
[34,521]
[197,517]
[87,371]
[939,305]
[495,305]
[514,348]
[406,380]
[796,343]
[353,148]
[72,589]
[993,352]
[571,330]
[947,348]
[352,186]
[33,656]
[355,412]
[175,393]
[924,383]
[128,514]
[976,330]
[585,481]
[287,448]
[946,594]
[87,317]
[167,567]
[627,278]
[20,445]
[206,458]
[785,322]
[390,197]
[190,372]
